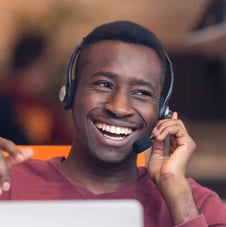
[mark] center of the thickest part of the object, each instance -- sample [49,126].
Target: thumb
[174,115]
[156,158]
[158,147]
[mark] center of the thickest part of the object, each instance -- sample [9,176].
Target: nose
[119,105]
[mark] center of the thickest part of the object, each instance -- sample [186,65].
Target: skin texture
[116,81]
[120,85]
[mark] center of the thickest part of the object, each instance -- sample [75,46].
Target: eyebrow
[134,82]
[106,74]
[144,83]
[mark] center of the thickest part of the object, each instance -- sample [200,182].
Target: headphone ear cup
[164,109]
[62,93]
[66,94]
[161,108]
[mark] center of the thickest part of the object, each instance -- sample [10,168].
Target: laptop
[77,213]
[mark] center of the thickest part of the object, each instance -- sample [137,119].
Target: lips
[113,132]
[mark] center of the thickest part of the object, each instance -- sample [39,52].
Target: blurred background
[193,33]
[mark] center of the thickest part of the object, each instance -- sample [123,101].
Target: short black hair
[125,31]
[129,32]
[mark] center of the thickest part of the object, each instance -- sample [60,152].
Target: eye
[103,84]
[143,94]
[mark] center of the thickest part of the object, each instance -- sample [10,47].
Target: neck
[98,176]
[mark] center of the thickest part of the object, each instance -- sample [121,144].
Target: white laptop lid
[78,213]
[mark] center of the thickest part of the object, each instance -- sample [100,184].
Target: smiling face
[117,98]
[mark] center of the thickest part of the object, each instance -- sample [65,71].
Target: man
[118,85]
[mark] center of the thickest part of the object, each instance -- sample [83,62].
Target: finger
[6,162]
[174,115]
[14,154]
[4,177]
[9,147]
[158,148]
[166,122]
[24,154]
[169,127]
[171,130]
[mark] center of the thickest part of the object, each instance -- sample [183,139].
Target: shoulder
[35,179]
[36,168]
[200,192]
[209,203]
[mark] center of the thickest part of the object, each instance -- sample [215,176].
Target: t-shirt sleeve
[5,196]
[214,211]
[198,221]
[211,208]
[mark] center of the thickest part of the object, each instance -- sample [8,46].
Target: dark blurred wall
[199,91]
[199,96]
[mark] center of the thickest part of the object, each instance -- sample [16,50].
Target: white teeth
[114,138]
[114,129]
[118,131]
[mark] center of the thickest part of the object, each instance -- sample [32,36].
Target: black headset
[66,93]
[165,111]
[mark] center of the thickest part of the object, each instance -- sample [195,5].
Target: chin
[112,158]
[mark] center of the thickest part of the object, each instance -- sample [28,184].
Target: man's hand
[167,166]
[10,155]
[172,159]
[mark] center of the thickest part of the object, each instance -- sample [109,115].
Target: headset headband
[67,92]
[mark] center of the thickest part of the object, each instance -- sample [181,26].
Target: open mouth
[114,132]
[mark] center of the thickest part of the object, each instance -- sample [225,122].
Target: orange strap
[45,152]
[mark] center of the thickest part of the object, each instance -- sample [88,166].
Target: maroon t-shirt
[43,180]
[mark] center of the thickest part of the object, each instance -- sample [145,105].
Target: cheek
[79,108]
[149,113]
[82,105]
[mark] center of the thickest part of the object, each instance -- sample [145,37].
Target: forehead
[122,58]
[115,46]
